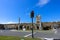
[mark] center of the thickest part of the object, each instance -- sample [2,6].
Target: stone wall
[28,26]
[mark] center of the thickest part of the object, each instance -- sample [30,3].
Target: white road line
[29,34]
[48,38]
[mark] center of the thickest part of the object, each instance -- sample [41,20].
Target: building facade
[38,22]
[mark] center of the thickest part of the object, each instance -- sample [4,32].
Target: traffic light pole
[32,29]
[32,16]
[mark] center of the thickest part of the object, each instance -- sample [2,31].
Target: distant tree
[2,26]
[47,28]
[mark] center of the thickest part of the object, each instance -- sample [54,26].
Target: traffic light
[32,14]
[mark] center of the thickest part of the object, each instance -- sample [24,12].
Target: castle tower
[38,22]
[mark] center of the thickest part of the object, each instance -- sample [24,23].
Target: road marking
[55,31]
[29,34]
[48,38]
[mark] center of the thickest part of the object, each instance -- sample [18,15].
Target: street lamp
[19,23]
[32,16]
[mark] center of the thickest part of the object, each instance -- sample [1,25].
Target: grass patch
[16,38]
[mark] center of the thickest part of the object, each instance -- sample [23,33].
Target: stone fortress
[37,26]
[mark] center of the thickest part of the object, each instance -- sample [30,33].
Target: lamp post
[19,23]
[32,16]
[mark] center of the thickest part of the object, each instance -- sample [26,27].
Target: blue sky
[11,10]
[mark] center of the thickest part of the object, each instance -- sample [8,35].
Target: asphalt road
[13,33]
[54,34]
[47,35]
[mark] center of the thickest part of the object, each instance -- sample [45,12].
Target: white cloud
[41,3]
[10,22]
